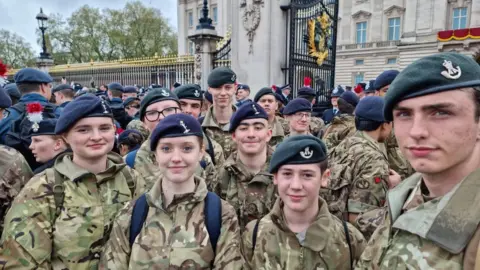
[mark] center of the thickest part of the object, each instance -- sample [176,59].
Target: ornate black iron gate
[312,46]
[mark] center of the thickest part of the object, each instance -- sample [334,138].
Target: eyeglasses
[301,115]
[155,115]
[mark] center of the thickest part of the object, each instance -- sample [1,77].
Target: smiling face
[178,157]
[299,122]
[222,96]
[438,132]
[252,136]
[91,138]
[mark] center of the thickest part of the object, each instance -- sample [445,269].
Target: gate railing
[222,56]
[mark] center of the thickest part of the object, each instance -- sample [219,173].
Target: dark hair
[25,88]
[133,140]
[116,93]
[309,98]
[363,124]
[323,165]
[345,107]
[68,93]
[476,98]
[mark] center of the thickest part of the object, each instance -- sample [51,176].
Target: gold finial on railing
[228,36]
[91,62]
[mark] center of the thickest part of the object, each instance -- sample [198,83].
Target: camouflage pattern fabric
[219,133]
[369,221]
[252,195]
[34,238]
[358,182]
[277,247]
[406,239]
[14,174]
[396,160]
[217,151]
[174,236]
[341,127]
[278,132]
[138,125]
[316,125]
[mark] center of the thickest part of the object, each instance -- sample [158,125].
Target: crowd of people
[124,177]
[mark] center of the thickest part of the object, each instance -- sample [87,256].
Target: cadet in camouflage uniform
[221,84]
[243,180]
[316,124]
[14,169]
[174,231]
[267,100]
[360,173]
[63,216]
[433,216]
[138,126]
[298,114]
[343,124]
[156,105]
[299,233]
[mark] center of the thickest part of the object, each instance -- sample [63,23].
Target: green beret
[429,75]
[221,76]
[264,91]
[156,95]
[299,149]
[189,91]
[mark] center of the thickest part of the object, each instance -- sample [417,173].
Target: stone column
[205,47]
[44,64]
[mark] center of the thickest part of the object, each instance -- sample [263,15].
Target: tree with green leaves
[15,51]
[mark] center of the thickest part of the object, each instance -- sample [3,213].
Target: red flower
[274,88]
[34,107]
[307,82]
[3,69]
[358,89]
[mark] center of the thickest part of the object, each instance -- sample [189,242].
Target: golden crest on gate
[319,34]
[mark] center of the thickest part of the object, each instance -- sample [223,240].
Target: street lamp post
[205,22]
[42,25]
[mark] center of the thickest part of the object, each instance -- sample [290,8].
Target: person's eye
[187,149]
[165,149]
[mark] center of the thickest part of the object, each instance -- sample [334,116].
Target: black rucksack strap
[254,235]
[347,235]
[210,147]
[139,214]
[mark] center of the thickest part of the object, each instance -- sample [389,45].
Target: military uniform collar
[65,166]
[156,197]
[317,235]
[236,166]
[277,129]
[370,140]
[210,121]
[33,97]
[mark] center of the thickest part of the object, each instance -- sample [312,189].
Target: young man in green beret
[266,99]
[433,216]
[243,180]
[299,232]
[221,84]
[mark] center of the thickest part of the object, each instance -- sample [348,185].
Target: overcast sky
[18,16]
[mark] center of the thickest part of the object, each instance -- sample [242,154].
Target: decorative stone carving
[394,10]
[251,18]
[198,64]
[358,2]
[361,14]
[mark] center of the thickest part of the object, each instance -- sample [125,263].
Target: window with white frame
[359,62]
[361,32]
[190,18]
[394,28]
[191,48]
[459,18]
[391,61]
[215,14]
[358,78]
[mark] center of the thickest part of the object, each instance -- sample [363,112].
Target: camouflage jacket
[14,174]
[358,182]
[427,233]
[396,160]
[341,127]
[325,245]
[36,238]
[174,237]
[219,133]
[252,195]
[278,132]
[138,126]
[316,125]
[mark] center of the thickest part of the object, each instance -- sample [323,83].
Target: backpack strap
[347,235]
[139,214]
[203,164]
[254,235]
[130,159]
[210,147]
[130,182]
[58,189]
[213,218]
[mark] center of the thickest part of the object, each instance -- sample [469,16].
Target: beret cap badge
[34,114]
[197,93]
[105,109]
[165,93]
[255,109]
[185,127]
[451,72]
[307,153]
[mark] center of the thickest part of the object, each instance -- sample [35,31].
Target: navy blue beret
[386,78]
[154,96]
[337,92]
[371,87]
[176,84]
[300,149]
[350,97]
[77,87]
[243,87]
[61,87]
[130,89]
[286,86]
[129,100]
[115,86]
[220,76]
[297,105]
[175,125]
[208,97]
[280,98]
[248,110]
[371,108]
[84,106]
[124,135]
[45,127]
[32,75]
[189,91]
[5,101]
[12,90]
[306,91]
[264,91]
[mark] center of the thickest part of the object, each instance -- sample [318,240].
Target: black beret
[154,96]
[62,87]
[130,89]
[115,86]
[264,91]
[12,90]
[432,74]
[5,101]
[220,76]
[77,87]
[350,97]
[371,108]
[299,149]
[129,100]
[208,97]
[248,110]
[297,105]
[306,91]
[337,92]
[45,127]
[32,75]
[175,125]
[385,78]
[280,98]
[371,87]
[189,91]
[124,135]
[176,84]
[84,106]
